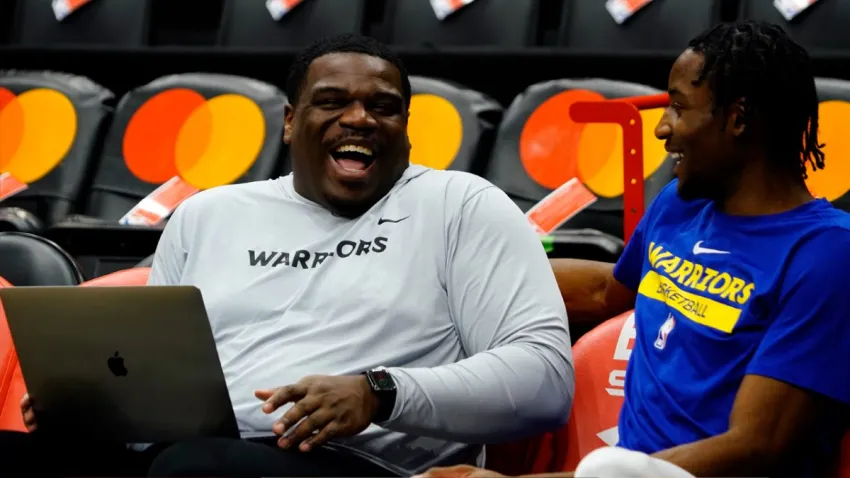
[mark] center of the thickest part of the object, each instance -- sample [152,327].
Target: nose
[663,129]
[357,117]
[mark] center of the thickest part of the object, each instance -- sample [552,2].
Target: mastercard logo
[205,142]
[38,128]
[554,149]
[435,130]
[833,181]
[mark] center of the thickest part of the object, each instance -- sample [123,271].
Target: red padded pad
[12,387]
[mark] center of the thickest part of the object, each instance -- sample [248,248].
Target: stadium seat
[12,387]
[100,22]
[600,358]
[16,219]
[492,23]
[206,127]
[833,182]
[660,27]
[30,260]
[247,23]
[451,127]
[820,28]
[52,127]
[174,118]
[538,148]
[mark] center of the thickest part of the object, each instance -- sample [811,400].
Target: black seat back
[451,126]
[116,189]
[500,23]
[661,26]
[30,260]
[248,23]
[122,23]
[821,27]
[538,148]
[86,109]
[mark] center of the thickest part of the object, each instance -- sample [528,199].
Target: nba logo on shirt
[664,331]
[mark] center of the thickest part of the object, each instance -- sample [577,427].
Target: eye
[329,103]
[386,108]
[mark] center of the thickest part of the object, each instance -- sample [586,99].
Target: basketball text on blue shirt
[714,296]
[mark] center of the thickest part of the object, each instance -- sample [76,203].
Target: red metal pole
[628,117]
[625,112]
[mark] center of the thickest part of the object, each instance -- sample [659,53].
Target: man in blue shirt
[737,276]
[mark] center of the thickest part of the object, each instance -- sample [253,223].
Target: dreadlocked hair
[758,62]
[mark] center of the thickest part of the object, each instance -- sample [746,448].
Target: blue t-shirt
[721,297]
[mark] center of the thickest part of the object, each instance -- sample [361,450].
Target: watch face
[383,380]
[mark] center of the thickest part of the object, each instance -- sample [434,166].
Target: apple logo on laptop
[116,365]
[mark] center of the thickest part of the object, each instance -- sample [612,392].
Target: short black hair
[759,62]
[346,43]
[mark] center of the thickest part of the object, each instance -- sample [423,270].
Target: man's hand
[333,406]
[28,413]
[460,471]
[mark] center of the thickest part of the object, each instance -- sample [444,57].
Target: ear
[288,116]
[738,116]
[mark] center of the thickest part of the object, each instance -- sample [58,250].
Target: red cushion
[600,359]
[12,387]
[128,277]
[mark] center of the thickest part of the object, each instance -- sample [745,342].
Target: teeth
[350,148]
[677,156]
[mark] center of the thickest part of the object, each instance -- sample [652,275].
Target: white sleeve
[170,255]
[518,380]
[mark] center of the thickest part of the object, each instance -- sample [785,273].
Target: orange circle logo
[38,128]
[554,149]
[206,143]
[833,181]
[435,130]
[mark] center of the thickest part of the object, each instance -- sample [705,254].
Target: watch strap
[383,387]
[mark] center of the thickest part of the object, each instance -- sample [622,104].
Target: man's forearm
[499,395]
[589,291]
[728,454]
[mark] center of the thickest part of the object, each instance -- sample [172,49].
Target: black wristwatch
[383,386]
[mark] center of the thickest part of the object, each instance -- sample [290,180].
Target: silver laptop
[122,364]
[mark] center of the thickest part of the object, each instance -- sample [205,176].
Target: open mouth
[678,158]
[353,158]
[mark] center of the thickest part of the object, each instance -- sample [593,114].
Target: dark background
[183,36]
